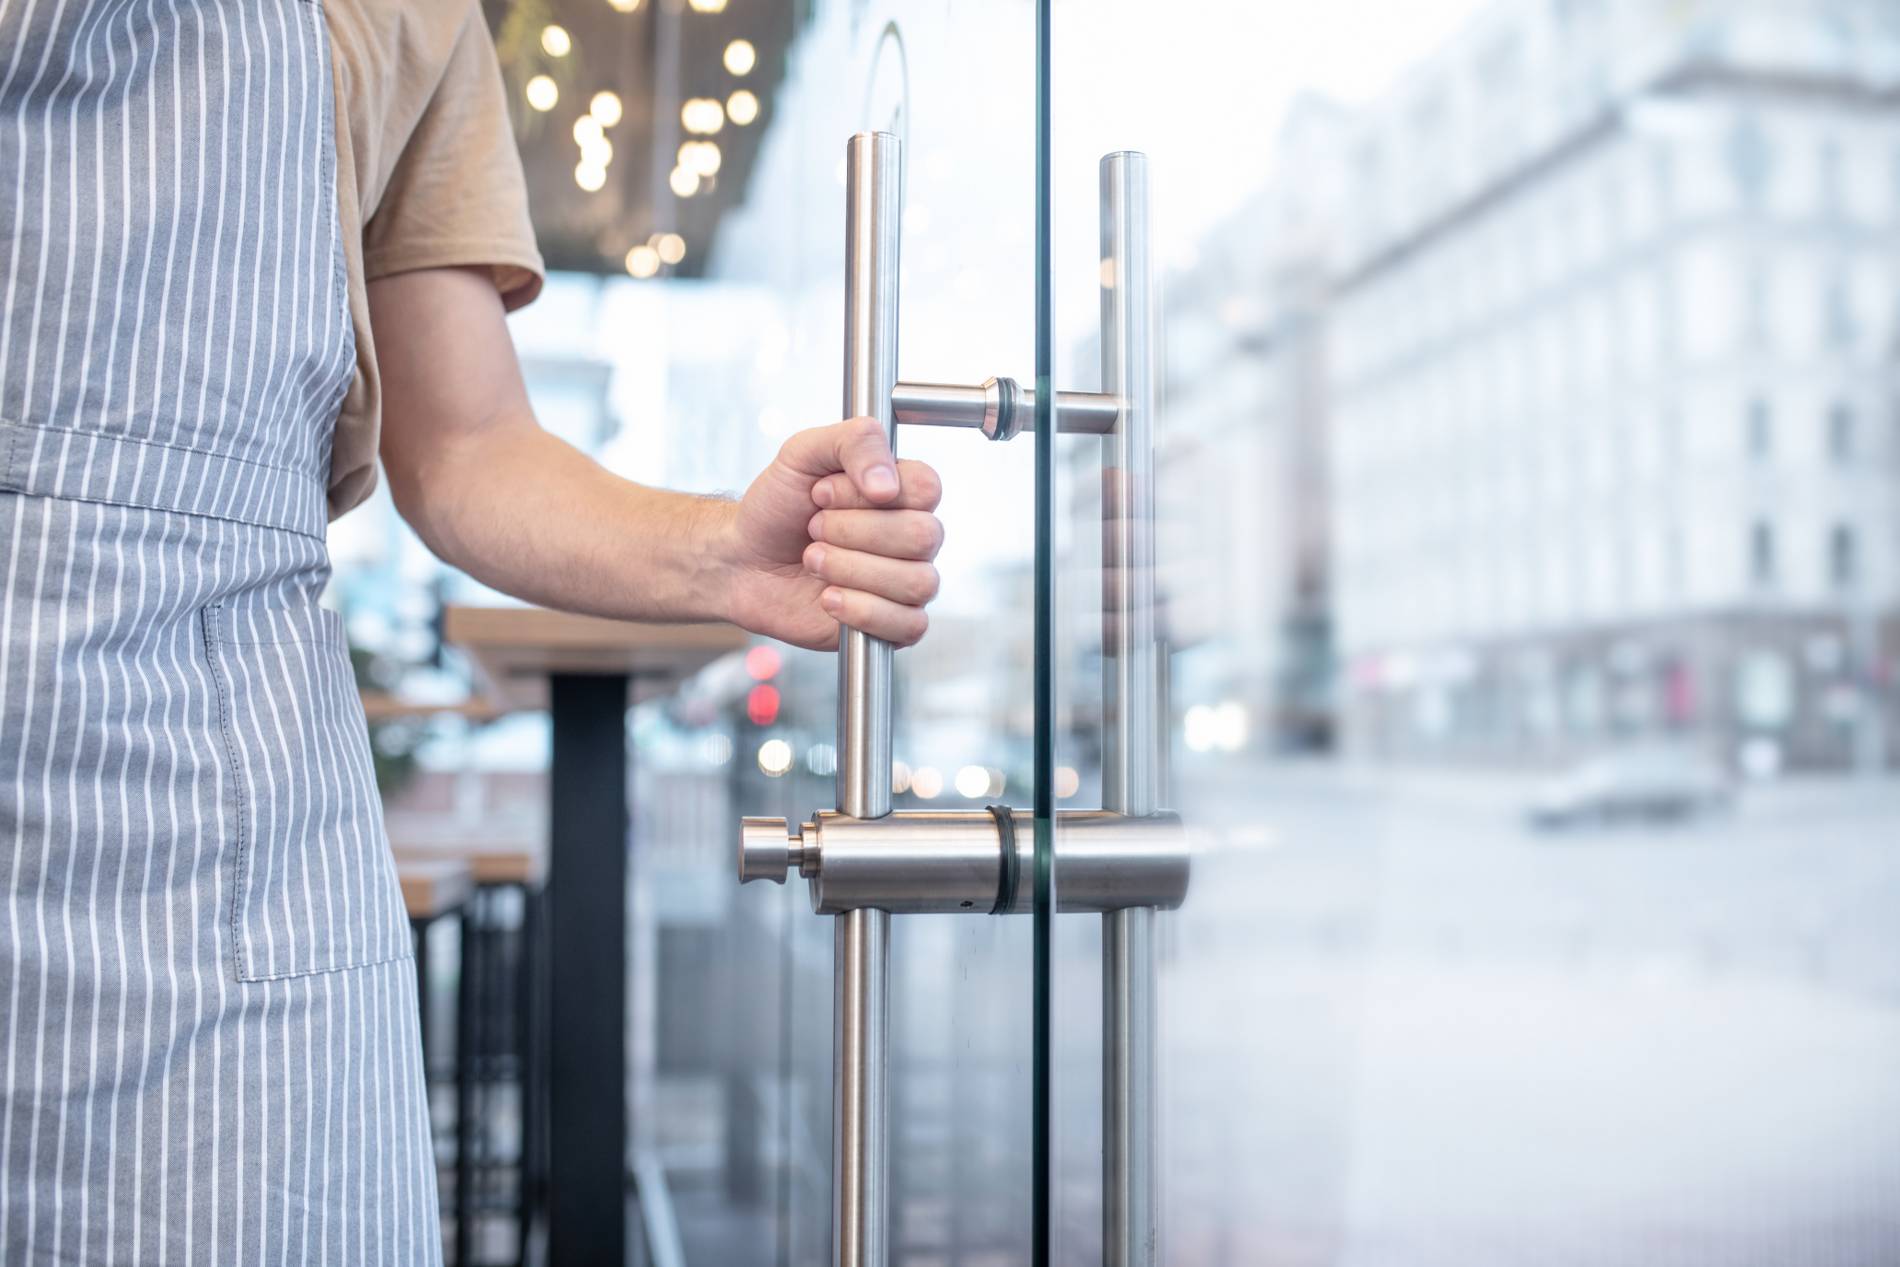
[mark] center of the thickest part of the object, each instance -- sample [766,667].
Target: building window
[1830,179]
[1842,556]
[1761,429]
[1839,306]
[1755,287]
[1669,317]
[1749,162]
[1761,553]
[1840,434]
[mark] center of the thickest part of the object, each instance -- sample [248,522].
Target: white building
[1241,460]
[1613,337]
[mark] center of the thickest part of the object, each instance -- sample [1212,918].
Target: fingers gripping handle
[874,182]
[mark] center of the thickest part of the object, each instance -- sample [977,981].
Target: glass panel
[960,1038]
[1532,632]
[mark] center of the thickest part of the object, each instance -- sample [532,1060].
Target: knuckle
[931,533]
[929,485]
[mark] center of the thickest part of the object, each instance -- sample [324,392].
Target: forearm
[834,531]
[528,514]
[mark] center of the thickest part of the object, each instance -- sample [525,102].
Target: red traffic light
[761,705]
[762,662]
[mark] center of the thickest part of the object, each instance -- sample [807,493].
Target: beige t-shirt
[427,177]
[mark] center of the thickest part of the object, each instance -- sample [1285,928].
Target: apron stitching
[213,618]
[298,974]
[14,429]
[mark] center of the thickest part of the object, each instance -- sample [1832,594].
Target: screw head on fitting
[769,849]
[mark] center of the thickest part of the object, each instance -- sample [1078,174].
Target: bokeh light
[542,92]
[742,107]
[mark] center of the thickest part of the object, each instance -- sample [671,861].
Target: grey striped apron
[208,1036]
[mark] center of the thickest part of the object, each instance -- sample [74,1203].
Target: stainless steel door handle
[1000,408]
[947,861]
[874,186]
[1126,860]
[1134,741]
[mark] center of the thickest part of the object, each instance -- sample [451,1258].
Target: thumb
[856,446]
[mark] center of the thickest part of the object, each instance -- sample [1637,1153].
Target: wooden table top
[381,706]
[488,861]
[434,887]
[514,649]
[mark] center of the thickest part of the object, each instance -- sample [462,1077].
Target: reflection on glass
[1534,671]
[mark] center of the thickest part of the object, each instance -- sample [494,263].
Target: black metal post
[587,952]
[421,934]
[467,1004]
[528,1030]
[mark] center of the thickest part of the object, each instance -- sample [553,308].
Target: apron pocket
[313,887]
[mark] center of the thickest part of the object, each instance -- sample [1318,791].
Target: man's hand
[837,531]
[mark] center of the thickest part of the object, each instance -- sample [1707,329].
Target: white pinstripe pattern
[207,1018]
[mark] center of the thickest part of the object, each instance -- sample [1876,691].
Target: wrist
[717,546]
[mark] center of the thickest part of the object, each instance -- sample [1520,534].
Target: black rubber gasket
[1012,865]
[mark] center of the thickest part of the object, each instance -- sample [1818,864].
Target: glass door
[1523,601]
[1470,570]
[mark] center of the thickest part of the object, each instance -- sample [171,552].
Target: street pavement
[1404,1028]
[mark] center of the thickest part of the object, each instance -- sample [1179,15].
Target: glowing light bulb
[684,182]
[741,57]
[555,41]
[775,757]
[701,157]
[590,176]
[605,108]
[702,116]
[672,248]
[742,107]
[542,92]
[643,261]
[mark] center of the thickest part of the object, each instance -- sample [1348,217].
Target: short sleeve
[455,195]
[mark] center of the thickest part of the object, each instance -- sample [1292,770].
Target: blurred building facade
[1242,470]
[1594,317]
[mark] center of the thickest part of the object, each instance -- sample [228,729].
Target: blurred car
[1652,784]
